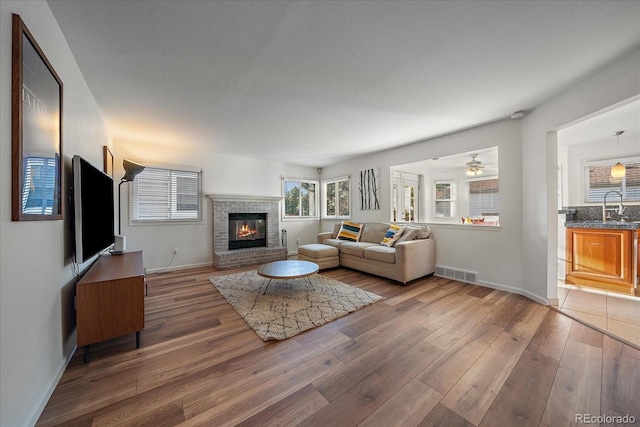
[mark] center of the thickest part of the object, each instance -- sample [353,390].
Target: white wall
[222,174]
[614,84]
[493,252]
[37,319]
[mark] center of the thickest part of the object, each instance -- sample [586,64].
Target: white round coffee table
[289,269]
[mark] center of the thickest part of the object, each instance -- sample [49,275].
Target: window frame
[485,178]
[300,181]
[452,200]
[587,198]
[325,198]
[173,171]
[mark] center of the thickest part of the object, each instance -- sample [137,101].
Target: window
[336,198]
[300,198]
[483,197]
[445,197]
[159,195]
[598,181]
[405,197]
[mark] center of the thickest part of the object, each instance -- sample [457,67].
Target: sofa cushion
[374,232]
[381,253]
[393,234]
[356,248]
[316,250]
[336,243]
[350,231]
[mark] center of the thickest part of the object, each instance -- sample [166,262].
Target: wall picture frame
[36,131]
[107,159]
[369,186]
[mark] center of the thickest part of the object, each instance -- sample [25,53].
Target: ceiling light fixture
[517,115]
[474,167]
[618,170]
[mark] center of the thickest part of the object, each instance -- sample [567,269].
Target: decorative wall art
[370,189]
[36,131]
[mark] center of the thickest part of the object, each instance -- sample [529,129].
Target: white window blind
[484,197]
[598,181]
[166,195]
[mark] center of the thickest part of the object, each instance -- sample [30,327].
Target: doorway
[579,147]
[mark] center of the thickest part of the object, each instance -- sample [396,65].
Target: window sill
[172,222]
[474,227]
[299,218]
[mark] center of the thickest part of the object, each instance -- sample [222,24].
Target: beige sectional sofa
[412,256]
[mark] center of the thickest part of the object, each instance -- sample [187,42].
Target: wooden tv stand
[110,300]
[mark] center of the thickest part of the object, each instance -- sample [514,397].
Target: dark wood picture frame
[36,131]
[107,160]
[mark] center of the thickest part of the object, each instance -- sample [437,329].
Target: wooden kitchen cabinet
[602,258]
[110,300]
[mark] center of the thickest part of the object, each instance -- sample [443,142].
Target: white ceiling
[313,83]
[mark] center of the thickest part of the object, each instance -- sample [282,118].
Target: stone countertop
[617,225]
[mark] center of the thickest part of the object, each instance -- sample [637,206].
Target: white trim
[318,207]
[50,388]
[456,226]
[323,198]
[340,178]
[518,291]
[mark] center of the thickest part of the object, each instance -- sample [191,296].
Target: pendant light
[618,170]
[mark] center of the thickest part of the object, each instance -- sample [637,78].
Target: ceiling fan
[474,167]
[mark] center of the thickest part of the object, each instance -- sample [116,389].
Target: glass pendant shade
[618,170]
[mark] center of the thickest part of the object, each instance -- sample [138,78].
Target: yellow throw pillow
[393,234]
[350,231]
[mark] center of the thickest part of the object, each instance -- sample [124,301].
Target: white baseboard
[49,389]
[524,293]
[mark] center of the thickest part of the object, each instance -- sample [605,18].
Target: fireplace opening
[247,230]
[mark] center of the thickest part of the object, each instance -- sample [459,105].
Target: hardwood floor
[434,352]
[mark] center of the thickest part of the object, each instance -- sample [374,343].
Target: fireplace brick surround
[223,205]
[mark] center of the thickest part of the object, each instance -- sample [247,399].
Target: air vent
[456,274]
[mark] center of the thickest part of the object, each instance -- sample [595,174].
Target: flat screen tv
[93,208]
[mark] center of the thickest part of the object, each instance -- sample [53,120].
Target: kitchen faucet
[620,209]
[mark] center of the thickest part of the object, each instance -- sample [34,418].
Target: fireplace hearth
[247,230]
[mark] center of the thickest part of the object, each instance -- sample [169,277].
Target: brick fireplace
[251,207]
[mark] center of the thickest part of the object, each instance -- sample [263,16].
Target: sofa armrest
[415,258]
[324,236]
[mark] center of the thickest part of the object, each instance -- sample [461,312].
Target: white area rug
[290,306]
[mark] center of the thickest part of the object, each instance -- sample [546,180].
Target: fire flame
[246,231]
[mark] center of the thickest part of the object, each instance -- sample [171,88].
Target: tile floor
[610,312]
